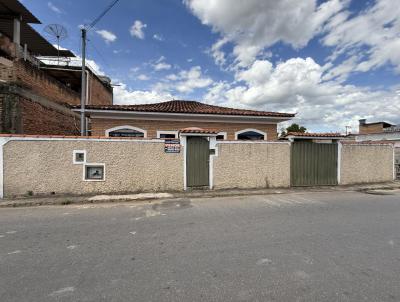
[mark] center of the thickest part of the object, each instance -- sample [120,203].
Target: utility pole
[83,85]
[84,31]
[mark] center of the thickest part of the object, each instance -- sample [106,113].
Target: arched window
[126,131]
[251,135]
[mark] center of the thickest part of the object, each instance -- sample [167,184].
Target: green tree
[293,128]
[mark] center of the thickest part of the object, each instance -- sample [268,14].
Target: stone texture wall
[252,165]
[99,126]
[366,163]
[47,166]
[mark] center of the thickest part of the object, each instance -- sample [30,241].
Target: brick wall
[39,82]
[7,47]
[98,126]
[37,119]
[372,128]
[21,115]
[98,93]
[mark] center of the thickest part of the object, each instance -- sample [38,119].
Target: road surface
[337,246]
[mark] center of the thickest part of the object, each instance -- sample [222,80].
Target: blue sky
[333,62]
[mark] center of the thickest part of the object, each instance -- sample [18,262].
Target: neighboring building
[315,137]
[35,95]
[368,128]
[378,131]
[166,119]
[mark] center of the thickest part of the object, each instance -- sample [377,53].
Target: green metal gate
[197,161]
[313,164]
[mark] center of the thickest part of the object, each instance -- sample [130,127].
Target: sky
[332,62]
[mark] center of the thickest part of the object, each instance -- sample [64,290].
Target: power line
[99,54]
[84,30]
[94,22]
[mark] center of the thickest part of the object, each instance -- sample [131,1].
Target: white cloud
[369,40]
[107,36]
[54,8]
[136,29]
[253,25]
[192,79]
[143,77]
[158,37]
[297,85]
[160,64]
[185,81]
[123,95]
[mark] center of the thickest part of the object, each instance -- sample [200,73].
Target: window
[126,131]
[94,172]
[167,134]
[221,136]
[79,156]
[251,134]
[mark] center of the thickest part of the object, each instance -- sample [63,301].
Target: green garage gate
[314,164]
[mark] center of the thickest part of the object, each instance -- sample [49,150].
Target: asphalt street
[338,246]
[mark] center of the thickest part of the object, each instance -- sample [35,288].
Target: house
[369,128]
[38,82]
[378,131]
[167,119]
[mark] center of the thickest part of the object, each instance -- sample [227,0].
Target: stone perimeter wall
[252,165]
[366,164]
[43,167]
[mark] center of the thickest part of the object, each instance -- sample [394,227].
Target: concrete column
[17,31]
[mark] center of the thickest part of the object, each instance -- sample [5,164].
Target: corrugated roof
[36,43]
[15,8]
[191,107]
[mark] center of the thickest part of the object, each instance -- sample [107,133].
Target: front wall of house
[42,167]
[99,126]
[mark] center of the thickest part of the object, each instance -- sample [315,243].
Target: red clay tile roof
[72,136]
[310,134]
[193,107]
[198,130]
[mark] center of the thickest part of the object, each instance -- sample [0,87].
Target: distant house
[378,131]
[167,119]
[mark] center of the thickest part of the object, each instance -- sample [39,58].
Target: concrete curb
[152,197]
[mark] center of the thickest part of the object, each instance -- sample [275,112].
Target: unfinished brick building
[38,83]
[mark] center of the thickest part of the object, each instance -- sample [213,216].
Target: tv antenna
[59,33]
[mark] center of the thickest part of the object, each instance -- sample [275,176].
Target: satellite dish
[58,33]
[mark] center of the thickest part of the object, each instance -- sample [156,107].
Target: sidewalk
[67,199]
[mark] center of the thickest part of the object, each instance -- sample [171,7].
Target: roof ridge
[188,107]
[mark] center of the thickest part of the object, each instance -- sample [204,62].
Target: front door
[197,161]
